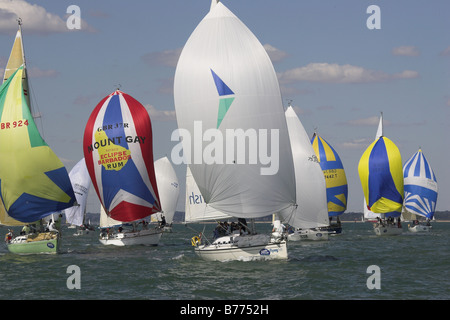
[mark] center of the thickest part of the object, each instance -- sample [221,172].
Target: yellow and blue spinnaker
[33,181]
[381,174]
[333,170]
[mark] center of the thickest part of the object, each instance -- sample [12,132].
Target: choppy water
[412,266]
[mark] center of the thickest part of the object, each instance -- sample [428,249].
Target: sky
[338,70]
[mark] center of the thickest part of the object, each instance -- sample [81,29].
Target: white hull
[309,234]
[144,237]
[387,230]
[419,228]
[248,247]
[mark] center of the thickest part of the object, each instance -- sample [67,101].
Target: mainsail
[196,208]
[118,151]
[381,175]
[34,182]
[226,91]
[15,61]
[81,182]
[311,211]
[168,188]
[421,188]
[333,170]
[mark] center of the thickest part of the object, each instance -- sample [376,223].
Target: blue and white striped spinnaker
[421,188]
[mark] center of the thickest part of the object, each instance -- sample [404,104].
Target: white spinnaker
[223,44]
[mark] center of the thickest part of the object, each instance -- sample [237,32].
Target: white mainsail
[81,182]
[168,188]
[312,210]
[369,214]
[196,208]
[106,221]
[225,81]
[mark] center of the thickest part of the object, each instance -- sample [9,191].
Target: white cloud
[356,144]
[161,115]
[166,58]
[35,19]
[367,122]
[445,52]
[36,72]
[274,54]
[335,73]
[410,51]
[371,121]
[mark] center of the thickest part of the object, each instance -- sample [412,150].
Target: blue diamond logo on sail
[225,101]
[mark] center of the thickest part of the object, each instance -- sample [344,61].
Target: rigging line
[197,232]
[35,113]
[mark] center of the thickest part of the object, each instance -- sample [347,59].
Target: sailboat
[421,191]
[169,192]
[81,182]
[34,182]
[226,85]
[336,181]
[381,174]
[310,183]
[118,151]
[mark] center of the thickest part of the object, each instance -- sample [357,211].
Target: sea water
[410,266]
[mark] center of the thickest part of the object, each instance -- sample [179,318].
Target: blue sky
[339,74]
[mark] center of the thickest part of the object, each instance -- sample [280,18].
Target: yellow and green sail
[33,181]
[333,170]
[381,174]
